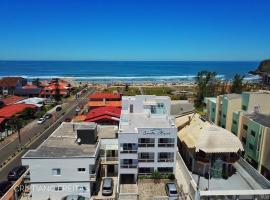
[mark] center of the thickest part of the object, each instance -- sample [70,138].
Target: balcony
[109,160]
[146,160]
[166,145]
[165,160]
[128,166]
[129,151]
[93,177]
[146,145]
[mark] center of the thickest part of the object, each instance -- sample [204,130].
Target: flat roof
[260,118]
[107,131]
[62,143]
[129,122]
[233,96]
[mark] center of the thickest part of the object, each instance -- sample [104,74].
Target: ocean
[125,71]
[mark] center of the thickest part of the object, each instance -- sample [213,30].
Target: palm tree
[237,84]
[16,124]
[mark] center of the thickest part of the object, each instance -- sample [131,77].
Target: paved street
[67,112]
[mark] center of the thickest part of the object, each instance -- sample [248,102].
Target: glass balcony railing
[165,144]
[146,145]
[128,166]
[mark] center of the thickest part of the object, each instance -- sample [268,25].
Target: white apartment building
[147,137]
[67,163]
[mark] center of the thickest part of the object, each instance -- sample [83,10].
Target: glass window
[244,107]
[56,172]
[58,188]
[245,127]
[251,147]
[81,169]
[253,133]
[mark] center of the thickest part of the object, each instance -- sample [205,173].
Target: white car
[41,120]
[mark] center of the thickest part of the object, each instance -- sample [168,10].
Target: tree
[28,113]
[206,82]
[237,84]
[36,82]
[57,95]
[16,124]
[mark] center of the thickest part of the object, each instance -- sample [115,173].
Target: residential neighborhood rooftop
[62,143]
[260,118]
[233,96]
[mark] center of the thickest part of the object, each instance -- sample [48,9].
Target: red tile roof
[102,104]
[11,110]
[103,113]
[9,81]
[102,96]
[11,100]
[2,120]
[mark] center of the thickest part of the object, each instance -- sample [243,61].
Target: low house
[36,101]
[53,88]
[208,149]
[29,90]
[105,97]
[8,85]
[104,115]
[11,110]
[98,104]
[10,100]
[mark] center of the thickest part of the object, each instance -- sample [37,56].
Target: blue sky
[134,29]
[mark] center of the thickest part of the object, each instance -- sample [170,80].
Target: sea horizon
[123,71]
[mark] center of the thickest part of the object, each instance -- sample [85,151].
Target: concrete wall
[262,100]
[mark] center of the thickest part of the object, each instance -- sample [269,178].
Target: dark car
[16,173]
[68,120]
[58,108]
[107,188]
[48,116]
[4,187]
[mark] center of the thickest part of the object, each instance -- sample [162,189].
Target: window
[146,142]
[245,127]
[251,147]
[58,188]
[234,122]
[165,157]
[81,169]
[244,107]
[56,172]
[224,115]
[166,142]
[213,109]
[146,170]
[253,133]
[146,157]
[165,169]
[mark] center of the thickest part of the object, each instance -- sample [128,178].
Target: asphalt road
[68,112]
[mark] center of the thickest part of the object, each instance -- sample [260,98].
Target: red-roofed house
[98,104]
[11,100]
[51,89]
[8,85]
[11,110]
[105,97]
[104,116]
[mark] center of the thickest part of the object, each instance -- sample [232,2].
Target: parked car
[107,187]
[48,116]
[41,120]
[58,108]
[68,120]
[171,190]
[16,173]
[4,187]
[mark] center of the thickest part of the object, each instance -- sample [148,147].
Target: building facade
[147,137]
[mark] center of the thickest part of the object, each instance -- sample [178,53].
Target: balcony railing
[128,166]
[146,145]
[129,151]
[165,160]
[146,160]
[166,145]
